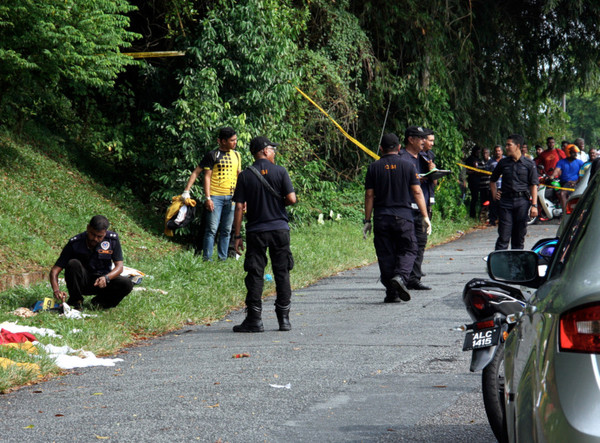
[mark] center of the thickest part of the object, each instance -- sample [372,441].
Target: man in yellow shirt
[221,167]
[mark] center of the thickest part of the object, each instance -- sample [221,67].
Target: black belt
[508,194]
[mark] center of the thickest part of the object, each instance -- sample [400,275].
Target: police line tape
[482,171]
[375,156]
[342,130]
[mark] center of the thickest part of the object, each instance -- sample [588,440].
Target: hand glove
[366,230]
[427,225]
[185,194]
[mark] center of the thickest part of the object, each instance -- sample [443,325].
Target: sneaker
[399,285]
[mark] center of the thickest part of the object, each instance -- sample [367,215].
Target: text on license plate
[481,339]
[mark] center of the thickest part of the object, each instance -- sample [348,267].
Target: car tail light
[580,330]
[571,205]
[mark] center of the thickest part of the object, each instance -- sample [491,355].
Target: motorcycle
[494,308]
[548,204]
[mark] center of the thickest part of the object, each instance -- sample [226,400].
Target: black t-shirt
[419,164]
[99,260]
[390,178]
[517,176]
[264,211]
[426,185]
[473,177]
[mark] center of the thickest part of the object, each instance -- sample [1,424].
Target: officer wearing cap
[414,140]
[519,190]
[391,185]
[88,260]
[266,189]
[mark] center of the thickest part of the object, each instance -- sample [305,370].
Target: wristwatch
[534,205]
[237,237]
[107,279]
[366,220]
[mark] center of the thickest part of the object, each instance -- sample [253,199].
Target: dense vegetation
[473,71]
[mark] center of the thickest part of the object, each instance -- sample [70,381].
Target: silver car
[552,355]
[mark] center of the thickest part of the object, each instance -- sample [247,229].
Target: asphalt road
[352,369]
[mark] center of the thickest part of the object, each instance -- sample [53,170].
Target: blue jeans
[220,219]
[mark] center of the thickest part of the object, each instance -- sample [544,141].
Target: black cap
[260,143]
[414,131]
[428,131]
[389,142]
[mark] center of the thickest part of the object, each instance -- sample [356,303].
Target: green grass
[44,201]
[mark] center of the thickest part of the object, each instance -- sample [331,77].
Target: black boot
[252,322]
[283,317]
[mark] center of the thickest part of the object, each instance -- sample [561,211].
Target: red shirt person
[550,157]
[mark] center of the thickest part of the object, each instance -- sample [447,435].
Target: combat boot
[252,322]
[283,317]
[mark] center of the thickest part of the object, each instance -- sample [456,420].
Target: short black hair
[226,133]
[517,139]
[549,138]
[99,223]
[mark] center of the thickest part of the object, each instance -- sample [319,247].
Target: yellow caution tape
[154,54]
[348,136]
[482,171]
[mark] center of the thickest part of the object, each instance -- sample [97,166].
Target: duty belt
[508,194]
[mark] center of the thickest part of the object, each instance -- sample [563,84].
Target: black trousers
[474,189]
[80,282]
[421,236]
[396,247]
[282,262]
[513,214]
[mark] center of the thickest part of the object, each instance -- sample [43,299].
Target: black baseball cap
[389,142]
[259,143]
[414,131]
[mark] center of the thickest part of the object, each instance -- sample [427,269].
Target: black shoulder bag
[264,182]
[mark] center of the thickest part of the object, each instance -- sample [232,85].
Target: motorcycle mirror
[514,267]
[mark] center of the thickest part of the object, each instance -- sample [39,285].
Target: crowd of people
[399,194]
[573,158]
[510,192]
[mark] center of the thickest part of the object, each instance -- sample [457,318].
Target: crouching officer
[519,185]
[87,260]
[389,185]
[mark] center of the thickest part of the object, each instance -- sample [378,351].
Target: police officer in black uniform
[265,189]
[519,190]
[414,139]
[87,260]
[390,186]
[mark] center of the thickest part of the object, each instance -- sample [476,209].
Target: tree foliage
[55,51]
[472,71]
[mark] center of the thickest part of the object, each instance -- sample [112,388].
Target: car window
[574,231]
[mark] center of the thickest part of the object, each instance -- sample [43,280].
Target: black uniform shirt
[517,176]
[427,185]
[417,162]
[99,260]
[390,178]
[264,211]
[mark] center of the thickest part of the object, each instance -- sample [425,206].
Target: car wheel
[492,386]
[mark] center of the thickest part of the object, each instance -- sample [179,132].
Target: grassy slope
[44,201]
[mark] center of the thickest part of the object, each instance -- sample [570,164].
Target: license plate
[481,339]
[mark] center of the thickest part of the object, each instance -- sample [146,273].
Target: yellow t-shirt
[225,167]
